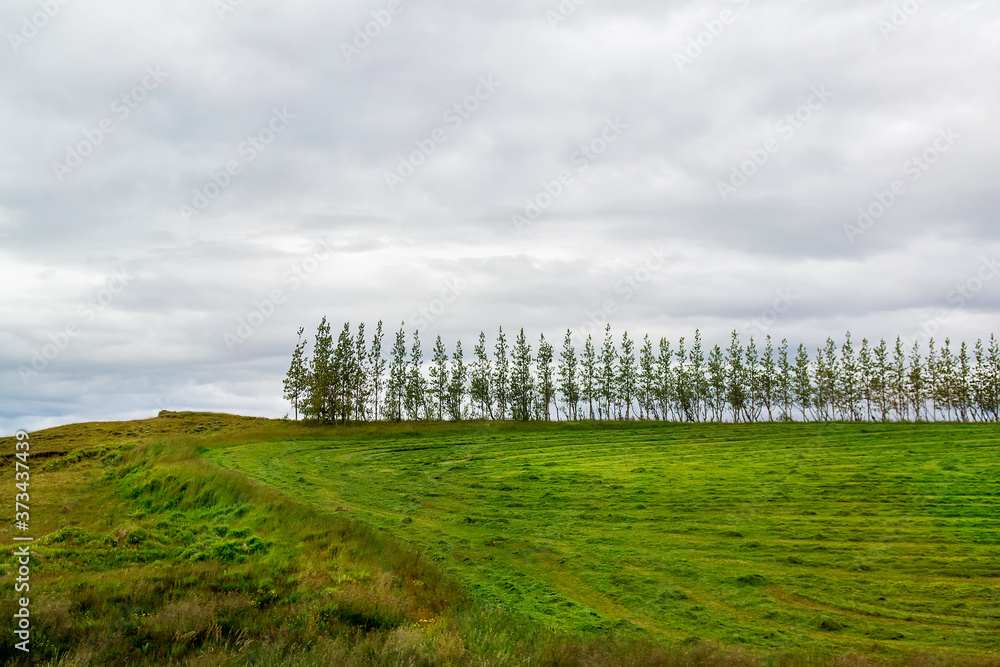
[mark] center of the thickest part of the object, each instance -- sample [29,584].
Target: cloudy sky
[183,184]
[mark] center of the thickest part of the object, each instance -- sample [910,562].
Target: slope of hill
[205,539]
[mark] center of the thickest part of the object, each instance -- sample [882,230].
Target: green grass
[201,539]
[876,538]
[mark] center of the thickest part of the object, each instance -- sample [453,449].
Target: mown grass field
[874,538]
[202,539]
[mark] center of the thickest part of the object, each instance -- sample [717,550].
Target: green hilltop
[210,539]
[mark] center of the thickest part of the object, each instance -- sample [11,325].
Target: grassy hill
[206,539]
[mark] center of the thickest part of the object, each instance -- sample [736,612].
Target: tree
[608,377]
[898,378]
[848,381]
[362,378]
[826,375]
[501,378]
[344,373]
[396,390]
[768,378]
[880,380]
[482,374]
[416,384]
[647,380]
[963,381]
[546,376]
[990,404]
[717,383]
[627,376]
[865,375]
[665,379]
[736,387]
[589,385]
[699,387]
[753,390]
[320,386]
[459,380]
[377,367]
[521,385]
[916,382]
[297,380]
[803,383]
[785,381]
[682,385]
[569,385]
[440,378]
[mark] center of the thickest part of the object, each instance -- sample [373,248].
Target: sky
[184,184]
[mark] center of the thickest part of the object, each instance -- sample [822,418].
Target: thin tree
[880,380]
[569,385]
[320,389]
[521,385]
[362,375]
[768,378]
[898,379]
[457,386]
[546,377]
[627,375]
[665,389]
[501,377]
[647,380]
[482,378]
[754,390]
[717,383]
[916,383]
[849,383]
[608,379]
[803,382]
[416,384]
[396,390]
[865,374]
[440,378]
[344,372]
[736,390]
[377,367]
[588,387]
[785,381]
[698,383]
[296,382]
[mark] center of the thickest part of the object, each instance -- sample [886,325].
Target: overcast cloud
[169,166]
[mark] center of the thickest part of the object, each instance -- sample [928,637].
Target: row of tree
[351,380]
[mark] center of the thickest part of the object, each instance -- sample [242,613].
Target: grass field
[203,539]
[875,538]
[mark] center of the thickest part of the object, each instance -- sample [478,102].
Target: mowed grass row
[872,538]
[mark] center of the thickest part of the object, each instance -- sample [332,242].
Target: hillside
[212,539]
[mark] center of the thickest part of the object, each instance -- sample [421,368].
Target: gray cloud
[159,340]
